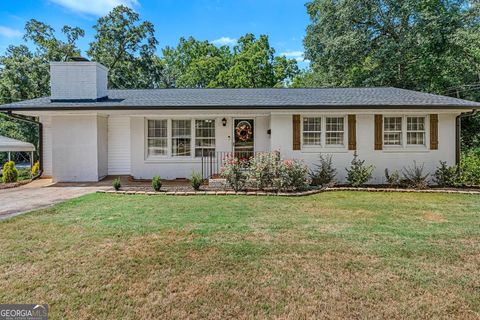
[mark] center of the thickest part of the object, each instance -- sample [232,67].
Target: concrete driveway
[38,194]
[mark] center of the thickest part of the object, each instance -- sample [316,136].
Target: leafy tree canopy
[127,48]
[428,45]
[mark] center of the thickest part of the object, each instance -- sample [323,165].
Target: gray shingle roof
[361,98]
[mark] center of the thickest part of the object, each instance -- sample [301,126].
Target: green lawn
[335,254]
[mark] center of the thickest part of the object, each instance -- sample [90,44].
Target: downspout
[458,133]
[40,135]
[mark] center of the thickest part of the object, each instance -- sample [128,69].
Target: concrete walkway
[38,194]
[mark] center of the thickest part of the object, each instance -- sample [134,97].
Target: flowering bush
[263,169]
[292,175]
[234,171]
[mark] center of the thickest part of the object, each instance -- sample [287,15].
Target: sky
[219,21]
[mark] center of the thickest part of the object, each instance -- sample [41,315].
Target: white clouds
[297,55]
[9,32]
[94,7]
[224,41]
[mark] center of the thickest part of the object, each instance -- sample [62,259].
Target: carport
[10,145]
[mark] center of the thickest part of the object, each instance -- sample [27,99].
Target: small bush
[233,170]
[359,173]
[24,174]
[293,175]
[414,176]
[393,179]
[196,180]
[156,183]
[470,169]
[116,184]
[446,176]
[263,169]
[9,173]
[35,169]
[324,172]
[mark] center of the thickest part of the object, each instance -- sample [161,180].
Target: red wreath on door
[244,131]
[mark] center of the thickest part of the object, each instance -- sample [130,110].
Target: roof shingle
[254,99]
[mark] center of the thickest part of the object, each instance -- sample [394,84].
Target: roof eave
[232,107]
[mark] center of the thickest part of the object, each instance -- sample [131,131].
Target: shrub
[414,176]
[359,173]
[24,174]
[233,170]
[9,173]
[263,169]
[393,179]
[156,183]
[324,172]
[292,175]
[446,176]
[196,180]
[470,169]
[116,184]
[35,169]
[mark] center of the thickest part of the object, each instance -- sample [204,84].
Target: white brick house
[90,132]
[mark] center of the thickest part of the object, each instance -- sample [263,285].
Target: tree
[48,46]
[409,44]
[196,64]
[255,66]
[127,48]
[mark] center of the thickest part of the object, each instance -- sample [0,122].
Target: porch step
[217,183]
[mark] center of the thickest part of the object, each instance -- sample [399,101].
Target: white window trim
[310,146]
[169,156]
[405,146]
[323,146]
[194,135]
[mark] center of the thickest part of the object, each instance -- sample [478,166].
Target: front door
[244,138]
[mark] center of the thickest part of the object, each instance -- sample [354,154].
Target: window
[204,137]
[334,132]
[181,138]
[416,130]
[157,138]
[312,131]
[392,131]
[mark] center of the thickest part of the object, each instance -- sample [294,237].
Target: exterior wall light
[224,122]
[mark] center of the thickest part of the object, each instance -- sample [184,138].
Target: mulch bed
[14,184]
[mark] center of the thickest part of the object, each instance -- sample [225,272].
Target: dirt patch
[434,217]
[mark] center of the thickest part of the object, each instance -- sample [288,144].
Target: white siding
[102,146]
[47,145]
[75,148]
[381,159]
[118,145]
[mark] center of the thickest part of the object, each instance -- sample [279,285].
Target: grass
[333,255]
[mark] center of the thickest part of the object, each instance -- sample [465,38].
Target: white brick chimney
[78,80]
